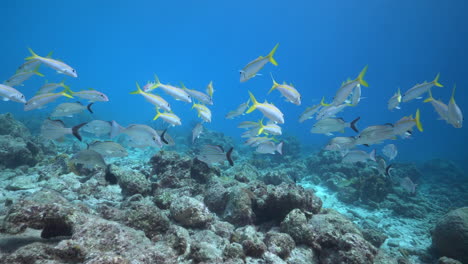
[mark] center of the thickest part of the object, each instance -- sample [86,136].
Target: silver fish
[154,99]
[439,107]
[238,111]
[406,124]
[390,151]
[10,93]
[354,156]
[329,125]
[215,154]
[347,87]
[455,115]
[70,109]
[288,91]
[309,112]
[90,95]
[40,100]
[251,69]
[341,143]
[59,66]
[419,89]
[55,129]
[108,148]
[329,110]
[50,87]
[375,134]
[142,136]
[90,159]
[269,148]
[175,92]
[98,127]
[203,98]
[196,132]
[394,101]
[268,110]
[20,77]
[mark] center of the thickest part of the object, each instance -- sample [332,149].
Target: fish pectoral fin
[5,99]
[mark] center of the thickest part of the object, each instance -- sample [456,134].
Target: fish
[328,125]
[347,87]
[255,141]
[203,98]
[169,117]
[248,124]
[253,132]
[210,89]
[394,101]
[9,93]
[455,115]
[115,129]
[70,109]
[59,66]
[268,110]
[40,100]
[407,123]
[238,111]
[20,77]
[269,129]
[390,151]
[55,129]
[382,167]
[269,148]
[108,148]
[419,89]
[147,86]
[50,87]
[329,110]
[253,67]
[98,127]
[197,131]
[176,92]
[309,112]
[165,137]
[288,91]
[90,95]
[90,159]
[356,97]
[408,185]
[154,99]
[340,143]
[142,136]
[354,156]
[203,112]
[440,107]
[210,154]
[375,134]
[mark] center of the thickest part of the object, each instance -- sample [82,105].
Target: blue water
[113,44]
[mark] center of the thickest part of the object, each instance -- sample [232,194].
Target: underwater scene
[298,132]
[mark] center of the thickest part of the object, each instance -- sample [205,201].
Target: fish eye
[73,70]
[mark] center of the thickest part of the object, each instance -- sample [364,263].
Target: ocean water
[113,44]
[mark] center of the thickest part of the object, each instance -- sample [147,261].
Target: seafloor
[168,207]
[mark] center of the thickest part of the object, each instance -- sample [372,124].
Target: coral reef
[450,235]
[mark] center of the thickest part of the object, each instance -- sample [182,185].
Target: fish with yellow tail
[59,66]
[251,70]
[169,117]
[394,101]
[269,110]
[439,106]
[203,112]
[21,77]
[455,115]
[419,89]
[210,89]
[288,91]
[154,99]
[347,87]
[39,101]
[402,126]
[176,92]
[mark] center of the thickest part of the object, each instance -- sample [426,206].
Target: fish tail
[68,90]
[33,55]
[275,84]
[418,121]
[163,139]
[116,129]
[49,55]
[37,72]
[229,156]
[436,81]
[353,124]
[372,155]
[430,98]
[254,101]
[138,91]
[322,103]
[157,83]
[64,93]
[360,77]
[75,130]
[89,108]
[279,148]
[158,114]
[452,99]
[270,55]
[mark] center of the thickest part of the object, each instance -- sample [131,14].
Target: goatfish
[394,101]
[347,87]
[90,95]
[50,87]
[203,112]
[154,99]
[169,117]
[175,92]
[59,66]
[269,147]
[98,127]
[70,109]
[238,111]
[210,89]
[40,100]
[268,110]
[407,123]
[55,129]
[288,91]
[329,125]
[253,67]
[354,156]
[419,89]
[203,98]
[439,106]
[309,112]
[108,148]
[9,93]
[210,154]
[20,77]
[197,131]
[329,110]
[455,115]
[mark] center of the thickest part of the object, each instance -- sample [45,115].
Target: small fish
[59,66]
[309,112]
[50,87]
[347,87]
[142,136]
[215,154]
[390,151]
[90,159]
[203,112]
[341,143]
[356,97]
[407,123]
[40,100]
[288,91]
[90,95]
[329,110]
[455,115]
[328,125]
[268,110]
[251,69]
[419,89]
[253,132]
[439,106]
[203,98]
[248,124]
[55,129]
[210,89]
[238,111]
[196,132]
[10,93]
[269,129]
[20,77]
[169,117]
[255,141]
[70,109]
[154,99]
[408,185]
[354,156]
[394,101]
[375,134]
[108,148]
[269,148]
[175,92]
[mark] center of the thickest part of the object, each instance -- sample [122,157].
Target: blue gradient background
[112,44]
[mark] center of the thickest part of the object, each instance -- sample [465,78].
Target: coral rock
[190,212]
